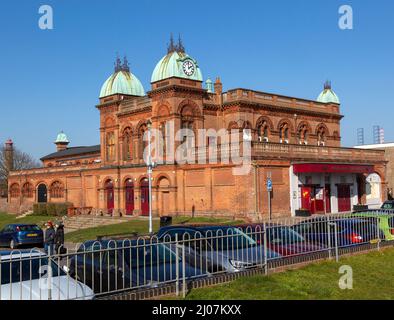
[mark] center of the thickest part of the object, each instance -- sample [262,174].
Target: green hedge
[51,209]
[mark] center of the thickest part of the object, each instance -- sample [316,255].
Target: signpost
[269,190]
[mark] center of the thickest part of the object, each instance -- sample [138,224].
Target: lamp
[150,168]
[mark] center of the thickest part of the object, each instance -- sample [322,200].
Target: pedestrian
[49,238]
[59,238]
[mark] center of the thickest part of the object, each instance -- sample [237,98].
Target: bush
[40,209]
[62,208]
[51,209]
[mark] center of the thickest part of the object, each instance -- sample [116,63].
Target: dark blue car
[350,231]
[110,265]
[16,235]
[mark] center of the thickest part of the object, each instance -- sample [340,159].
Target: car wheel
[13,244]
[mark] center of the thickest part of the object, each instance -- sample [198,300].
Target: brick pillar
[137,200]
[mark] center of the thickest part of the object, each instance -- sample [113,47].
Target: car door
[114,270]
[6,235]
[2,235]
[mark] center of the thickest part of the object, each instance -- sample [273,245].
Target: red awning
[331,168]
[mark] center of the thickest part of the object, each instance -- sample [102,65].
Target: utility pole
[269,190]
[150,169]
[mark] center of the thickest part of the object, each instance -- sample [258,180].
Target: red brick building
[296,142]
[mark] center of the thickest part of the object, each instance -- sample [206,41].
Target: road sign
[269,184]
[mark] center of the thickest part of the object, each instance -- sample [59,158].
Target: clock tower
[177,93]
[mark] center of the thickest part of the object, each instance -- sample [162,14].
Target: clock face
[188,67]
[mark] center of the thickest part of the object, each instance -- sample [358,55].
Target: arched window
[321,136]
[284,133]
[57,190]
[141,142]
[14,191]
[187,122]
[110,144]
[127,144]
[27,190]
[303,134]
[262,131]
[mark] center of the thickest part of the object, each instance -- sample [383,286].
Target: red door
[306,198]
[343,198]
[319,199]
[129,195]
[144,198]
[109,193]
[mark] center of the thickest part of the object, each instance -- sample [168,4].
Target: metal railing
[180,255]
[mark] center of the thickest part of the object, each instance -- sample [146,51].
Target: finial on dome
[327,85]
[119,66]
[118,63]
[171,47]
[125,66]
[180,47]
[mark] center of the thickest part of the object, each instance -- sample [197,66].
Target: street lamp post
[150,169]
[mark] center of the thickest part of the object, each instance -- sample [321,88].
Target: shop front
[327,188]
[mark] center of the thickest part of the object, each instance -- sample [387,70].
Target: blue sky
[50,80]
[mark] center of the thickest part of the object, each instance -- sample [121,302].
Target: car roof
[22,224]
[16,254]
[268,224]
[108,242]
[346,220]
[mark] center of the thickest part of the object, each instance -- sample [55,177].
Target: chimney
[61,142]
[9,154]
[218,86]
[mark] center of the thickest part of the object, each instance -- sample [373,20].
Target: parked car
[382,219]
[350,231]
[112,265]
[16,235]
[25,276]
[219,248]
[281,239]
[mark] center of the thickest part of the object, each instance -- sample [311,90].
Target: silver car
[31,275]
[217,248]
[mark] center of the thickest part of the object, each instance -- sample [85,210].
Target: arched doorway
[373,190]
[109,195]
[42,193]
[129,196]
[145,197]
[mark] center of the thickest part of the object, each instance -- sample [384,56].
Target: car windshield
[28,228]
[228,239]
[283,235]
[27,269]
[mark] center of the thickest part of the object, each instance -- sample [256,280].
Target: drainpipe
[255,183]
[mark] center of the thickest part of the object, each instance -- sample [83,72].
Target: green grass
[11,218]
[373,278]
[139,226]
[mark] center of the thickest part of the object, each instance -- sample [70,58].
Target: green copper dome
[328,95]
[178,64]
[62,138]
[122,81]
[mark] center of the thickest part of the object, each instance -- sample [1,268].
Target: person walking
[59,238]
[49,238]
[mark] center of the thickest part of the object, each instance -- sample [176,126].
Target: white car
[26,275]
